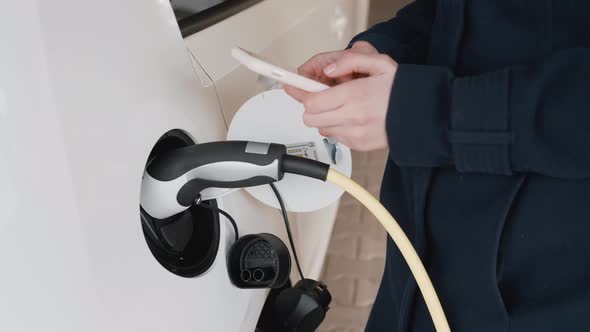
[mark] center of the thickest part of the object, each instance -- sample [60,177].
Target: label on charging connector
[305,150]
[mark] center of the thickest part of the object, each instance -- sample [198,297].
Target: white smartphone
[264,68]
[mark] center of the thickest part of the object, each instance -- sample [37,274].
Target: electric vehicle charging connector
[173,181]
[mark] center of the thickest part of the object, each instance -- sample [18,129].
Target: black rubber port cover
[259,261]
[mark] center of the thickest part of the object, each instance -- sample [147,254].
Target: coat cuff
[418,116]
[436,120]
[480,130]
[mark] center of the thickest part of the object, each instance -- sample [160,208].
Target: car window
[186,8]
[195,15]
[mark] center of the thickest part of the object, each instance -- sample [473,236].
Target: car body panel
[86,89]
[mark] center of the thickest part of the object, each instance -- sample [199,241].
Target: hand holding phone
[265,68]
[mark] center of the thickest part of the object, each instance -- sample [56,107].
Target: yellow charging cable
[403,243]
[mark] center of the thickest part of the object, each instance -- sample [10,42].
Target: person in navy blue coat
[485,108]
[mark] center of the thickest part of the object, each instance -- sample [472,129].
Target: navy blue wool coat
[489,168]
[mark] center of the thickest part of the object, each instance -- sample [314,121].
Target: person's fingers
[340,117]
[344,79]
[339,133]
[331,98]
[322,120]
[364,47]
[355,138]
[314,67]
[355,63]
[296,94]
[317,63]
[332,131]
[309,67]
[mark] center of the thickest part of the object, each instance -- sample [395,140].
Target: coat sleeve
[528,118]
[405,37]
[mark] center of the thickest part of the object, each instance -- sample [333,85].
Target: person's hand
[353,112]
[314,67]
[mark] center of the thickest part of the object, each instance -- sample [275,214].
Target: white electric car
[88,90]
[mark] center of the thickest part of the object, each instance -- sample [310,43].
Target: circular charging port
[185,244]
